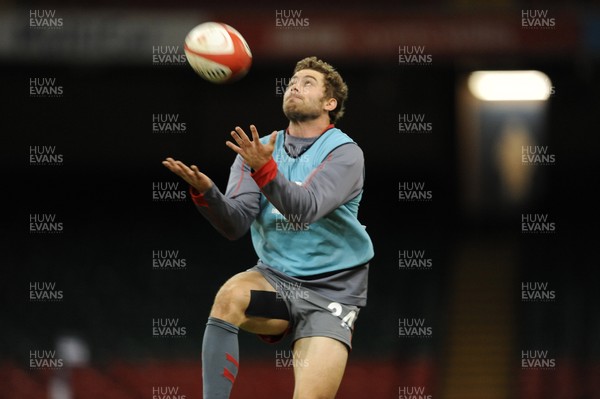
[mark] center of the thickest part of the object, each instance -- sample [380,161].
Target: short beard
[299,116]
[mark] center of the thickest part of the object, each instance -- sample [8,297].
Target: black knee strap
[267,304]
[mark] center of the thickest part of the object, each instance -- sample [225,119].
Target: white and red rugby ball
[217,52]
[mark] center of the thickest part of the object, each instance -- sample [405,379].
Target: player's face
[304,98]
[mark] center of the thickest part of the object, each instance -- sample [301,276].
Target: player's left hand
[255,153]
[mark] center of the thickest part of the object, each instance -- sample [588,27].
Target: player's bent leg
[233,299]
[319,364]
[220,349]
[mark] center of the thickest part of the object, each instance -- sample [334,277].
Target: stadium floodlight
[510,85]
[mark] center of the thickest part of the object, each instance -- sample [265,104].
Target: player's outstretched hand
[191,174]
[255,153]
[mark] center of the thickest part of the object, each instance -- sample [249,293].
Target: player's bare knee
[231,302]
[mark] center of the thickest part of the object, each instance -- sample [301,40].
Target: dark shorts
[311,314]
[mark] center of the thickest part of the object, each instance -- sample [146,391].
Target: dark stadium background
[470,297]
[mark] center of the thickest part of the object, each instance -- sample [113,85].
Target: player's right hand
[191,174]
